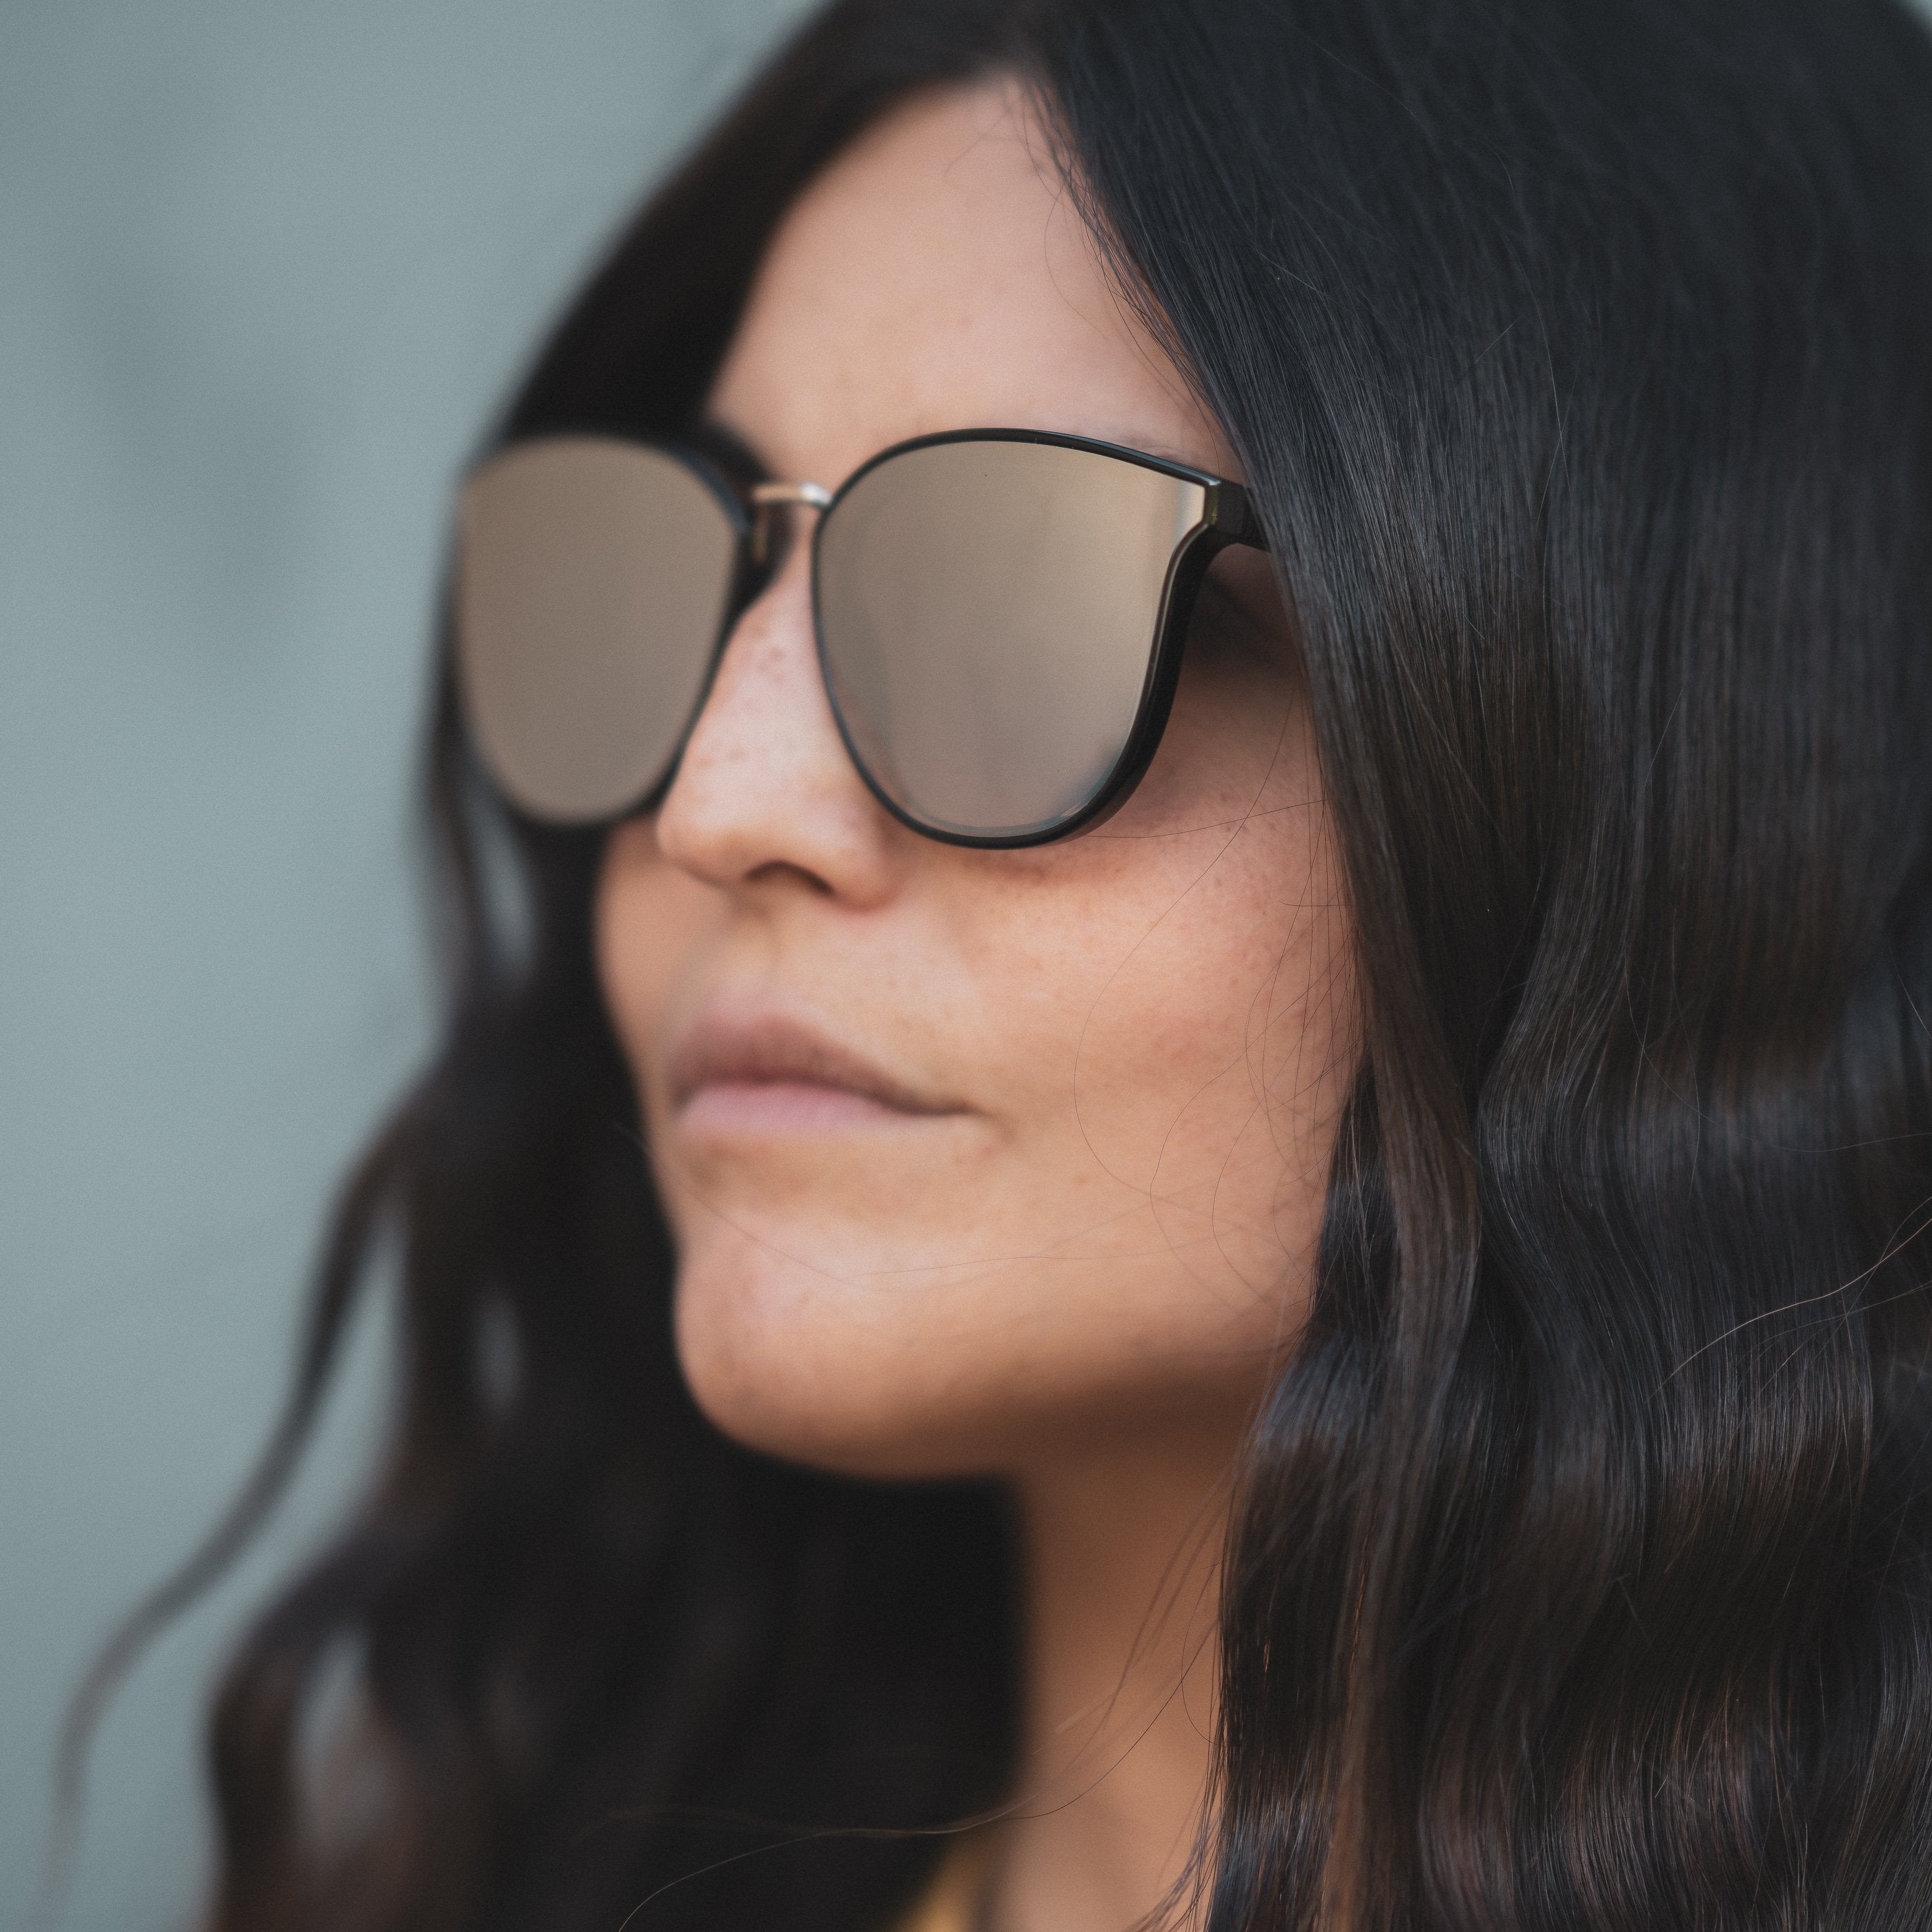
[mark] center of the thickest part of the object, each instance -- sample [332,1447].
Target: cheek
[1213,1057]
[1210,1065]
[1214,1037]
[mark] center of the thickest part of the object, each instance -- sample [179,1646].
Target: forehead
[938,276]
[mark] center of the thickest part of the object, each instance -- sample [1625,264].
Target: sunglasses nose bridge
[767,497]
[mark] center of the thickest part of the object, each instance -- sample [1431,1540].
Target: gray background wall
[265,267]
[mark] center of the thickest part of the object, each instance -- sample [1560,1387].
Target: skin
[1060,1225]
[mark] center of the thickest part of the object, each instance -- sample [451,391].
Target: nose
[766,792]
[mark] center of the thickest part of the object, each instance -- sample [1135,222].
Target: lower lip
[740,1108]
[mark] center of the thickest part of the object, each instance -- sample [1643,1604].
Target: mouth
[762,1075]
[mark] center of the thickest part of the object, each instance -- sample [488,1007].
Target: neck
[1123,1547]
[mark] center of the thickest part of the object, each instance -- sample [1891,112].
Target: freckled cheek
[1225,976]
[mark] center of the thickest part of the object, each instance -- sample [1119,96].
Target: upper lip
[717,1049]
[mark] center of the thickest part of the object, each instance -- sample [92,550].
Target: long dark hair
[1578,354]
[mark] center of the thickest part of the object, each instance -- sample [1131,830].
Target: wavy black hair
[1578,356]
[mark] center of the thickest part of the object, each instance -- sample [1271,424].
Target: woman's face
[972,1157]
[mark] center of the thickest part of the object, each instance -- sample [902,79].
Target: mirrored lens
[988,612]
[592,578]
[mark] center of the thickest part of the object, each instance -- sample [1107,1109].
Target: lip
[770,1073]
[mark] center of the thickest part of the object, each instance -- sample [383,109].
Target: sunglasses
[999,617]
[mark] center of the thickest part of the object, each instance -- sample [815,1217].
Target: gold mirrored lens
[988,612]
[591,582]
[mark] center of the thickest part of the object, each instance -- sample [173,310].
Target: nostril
[775,871]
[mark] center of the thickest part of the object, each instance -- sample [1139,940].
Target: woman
[1198,1189]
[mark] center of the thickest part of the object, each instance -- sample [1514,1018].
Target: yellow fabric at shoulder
[955,1901]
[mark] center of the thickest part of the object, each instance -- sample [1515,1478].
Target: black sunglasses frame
[1227,517]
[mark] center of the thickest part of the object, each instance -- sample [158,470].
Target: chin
[832,1373]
